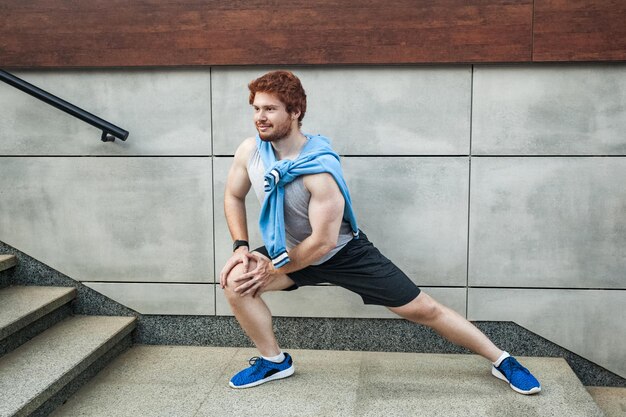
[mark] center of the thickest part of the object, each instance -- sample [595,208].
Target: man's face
[271,118]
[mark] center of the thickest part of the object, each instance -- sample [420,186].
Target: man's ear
[295,114]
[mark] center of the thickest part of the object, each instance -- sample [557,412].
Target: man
[311,236]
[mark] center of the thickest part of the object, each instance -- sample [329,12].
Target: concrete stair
[46,354]
[193,381]
[7,261]
[53,362]
[27,311]
[612,400]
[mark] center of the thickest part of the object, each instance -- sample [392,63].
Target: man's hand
[253,281]
[241,255]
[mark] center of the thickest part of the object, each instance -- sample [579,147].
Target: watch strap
[239,243]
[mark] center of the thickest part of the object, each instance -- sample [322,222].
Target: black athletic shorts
[360,268]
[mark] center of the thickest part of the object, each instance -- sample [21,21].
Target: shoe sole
[278,375]
[501,376]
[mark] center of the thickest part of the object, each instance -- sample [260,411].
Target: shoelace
[255,360]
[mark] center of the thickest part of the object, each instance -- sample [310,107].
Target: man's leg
[455,328]
[252,313]
[256,320]
[449,324]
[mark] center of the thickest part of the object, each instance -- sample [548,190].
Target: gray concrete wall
[498,189]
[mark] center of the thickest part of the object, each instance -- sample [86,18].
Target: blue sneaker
[261,371]
[519,378]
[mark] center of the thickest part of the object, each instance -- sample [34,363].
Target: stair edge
[38,313]
[82,364]
[7,261]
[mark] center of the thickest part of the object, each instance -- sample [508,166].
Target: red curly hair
[285,86]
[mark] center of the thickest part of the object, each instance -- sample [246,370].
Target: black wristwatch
[238,243]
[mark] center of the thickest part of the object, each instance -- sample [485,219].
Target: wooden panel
[102,33]
[579,30]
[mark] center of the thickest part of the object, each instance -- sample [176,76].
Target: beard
[278,132]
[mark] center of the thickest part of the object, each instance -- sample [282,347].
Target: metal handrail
[109,130]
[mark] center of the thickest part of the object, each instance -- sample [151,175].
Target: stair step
[7,261]
[21,306]
[193,381]
[37,370]
[612,400]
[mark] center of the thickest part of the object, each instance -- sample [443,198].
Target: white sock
[276,359]
[501,358]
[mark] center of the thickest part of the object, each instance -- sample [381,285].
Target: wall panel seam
[548,288]
[547,156]
[213,190]
[330,285]
[469,190]
[149,282]
[343,156]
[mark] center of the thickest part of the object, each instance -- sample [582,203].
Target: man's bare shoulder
[245,149]
[323,181]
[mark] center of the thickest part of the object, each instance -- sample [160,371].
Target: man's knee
[231,284]
[423,309]
[429,309]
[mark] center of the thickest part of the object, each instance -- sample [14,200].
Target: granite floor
[193,381]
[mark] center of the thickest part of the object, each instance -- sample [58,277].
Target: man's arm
[237,187]
[325,215]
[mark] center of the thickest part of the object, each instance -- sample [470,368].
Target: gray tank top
[296,206]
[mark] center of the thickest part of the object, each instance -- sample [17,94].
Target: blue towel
[316,157]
